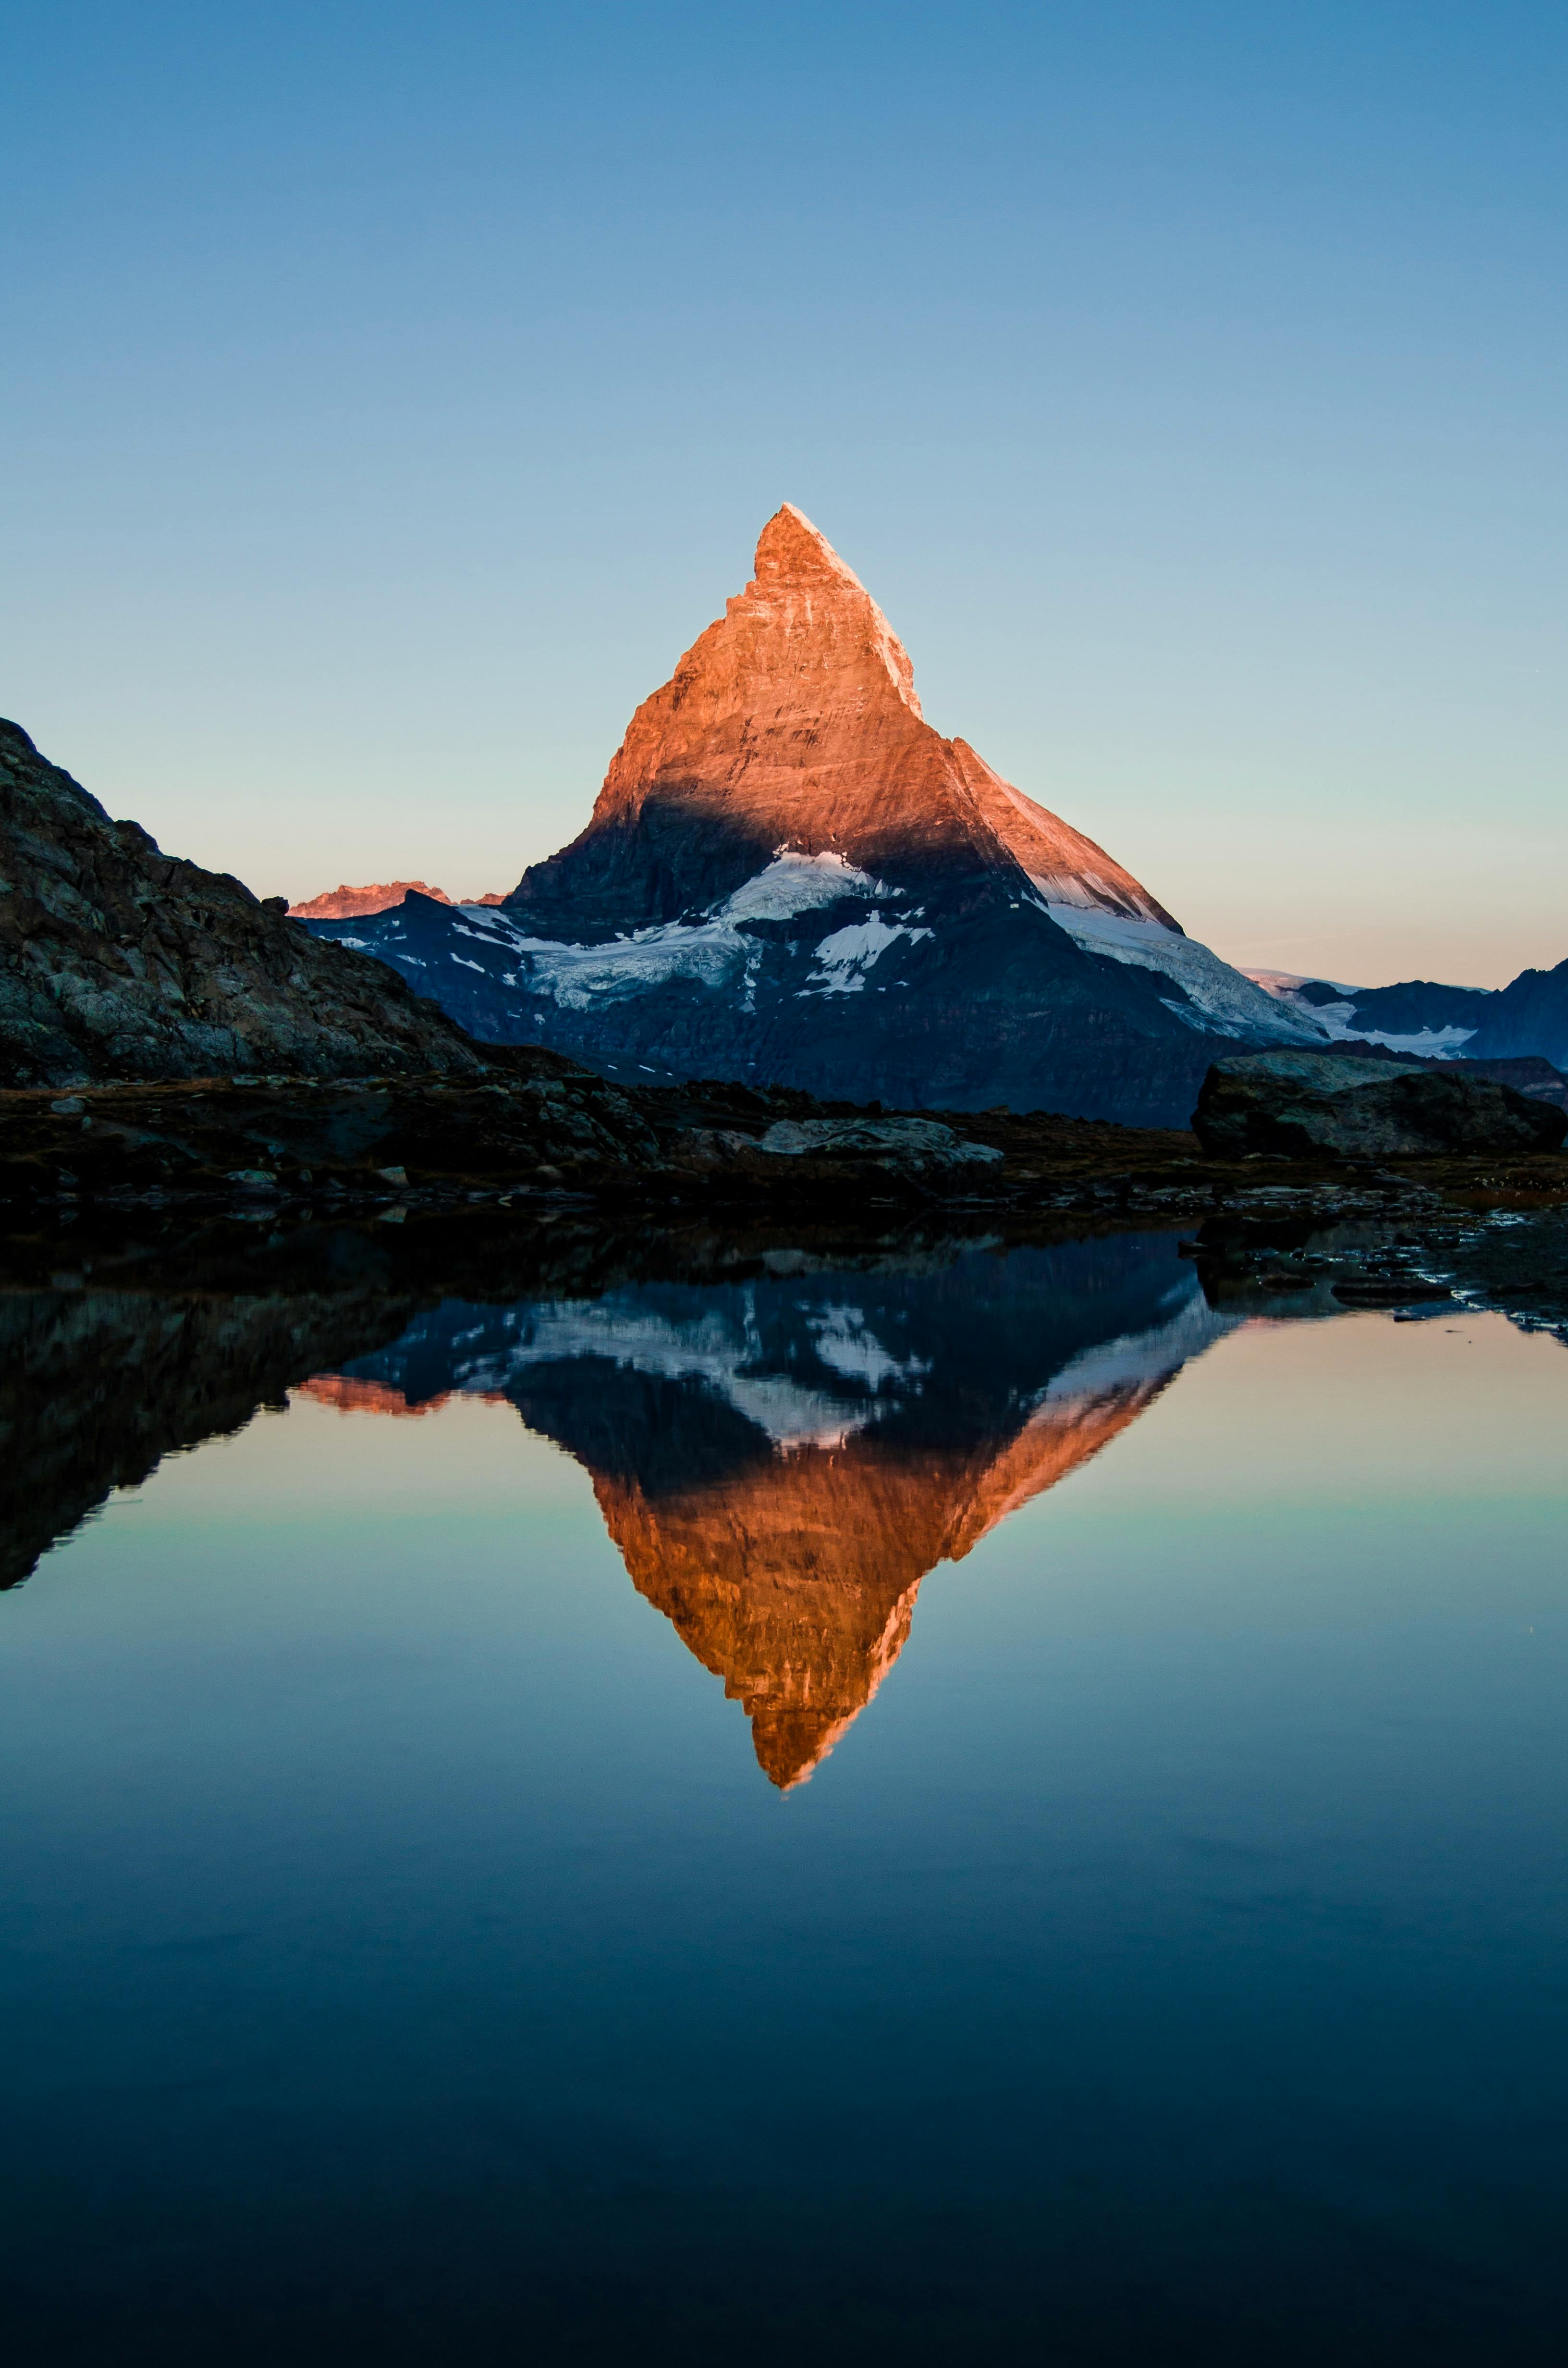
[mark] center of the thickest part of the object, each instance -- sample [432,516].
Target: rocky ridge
[1529,1016]
[117,959]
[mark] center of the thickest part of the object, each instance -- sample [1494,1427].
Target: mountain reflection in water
[780,1461]
[405,1959]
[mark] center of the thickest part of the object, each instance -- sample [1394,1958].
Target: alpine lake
[575,1794]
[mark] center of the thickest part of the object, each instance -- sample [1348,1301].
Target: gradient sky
[390,394]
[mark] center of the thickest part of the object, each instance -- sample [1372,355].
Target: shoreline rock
[1304,1103]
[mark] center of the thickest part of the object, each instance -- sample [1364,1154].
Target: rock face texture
[1527,1073]
[782,1462]
[1299,1102]
[343,904]
[789,876]
[1531,1016]
[117,959]
[793,722]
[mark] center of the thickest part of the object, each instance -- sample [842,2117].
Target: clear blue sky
[391,393]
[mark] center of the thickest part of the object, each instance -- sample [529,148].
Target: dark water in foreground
[971,1809]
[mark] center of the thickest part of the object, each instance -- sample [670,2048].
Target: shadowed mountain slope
[789,876]
[1529,1016]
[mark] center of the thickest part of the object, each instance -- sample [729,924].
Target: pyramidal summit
[790,877]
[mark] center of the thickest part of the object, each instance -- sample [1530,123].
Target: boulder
[917,1145]
[1529,1074]
[1305,1103]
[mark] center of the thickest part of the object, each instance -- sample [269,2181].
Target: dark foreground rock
[1299,1103]
[1529,1074]
[541,1135]
[118,960]
[539,1128]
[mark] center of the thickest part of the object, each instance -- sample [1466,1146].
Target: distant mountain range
[1473,1023]
[344,904]
[789,876]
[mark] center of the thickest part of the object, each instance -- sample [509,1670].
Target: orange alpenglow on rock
[796,1584]
[782,1461]
[346,903]
[793,722]
[791,878]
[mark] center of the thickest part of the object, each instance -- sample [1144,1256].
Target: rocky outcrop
[117,959]
[900,1145]
[343,904]
[1297,1103]
[1527,1074]
[791,877]
[262,1140]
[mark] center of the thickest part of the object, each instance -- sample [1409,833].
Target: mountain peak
[791,550]
[792,722]
[792,630]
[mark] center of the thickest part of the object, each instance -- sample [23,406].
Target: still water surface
[974,1810]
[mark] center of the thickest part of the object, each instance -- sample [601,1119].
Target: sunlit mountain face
[789,876]
[780,1461]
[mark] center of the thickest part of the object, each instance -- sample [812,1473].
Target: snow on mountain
[1417,1015]
[789,876]
[1231,1003]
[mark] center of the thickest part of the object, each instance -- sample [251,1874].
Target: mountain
[1531,1016]
[789,876]
[346,903]
[780,1463]
[1416,1015]
[117,959]
[1527,1020]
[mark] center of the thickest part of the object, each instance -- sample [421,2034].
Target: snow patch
[1432,1043]
[850,953]
[710,950]
[797,884]
[1337,1020]
[713,1347]
[1086,891]
[1228,1003]
[844,1340]
[1137,1359]
[1285,982]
